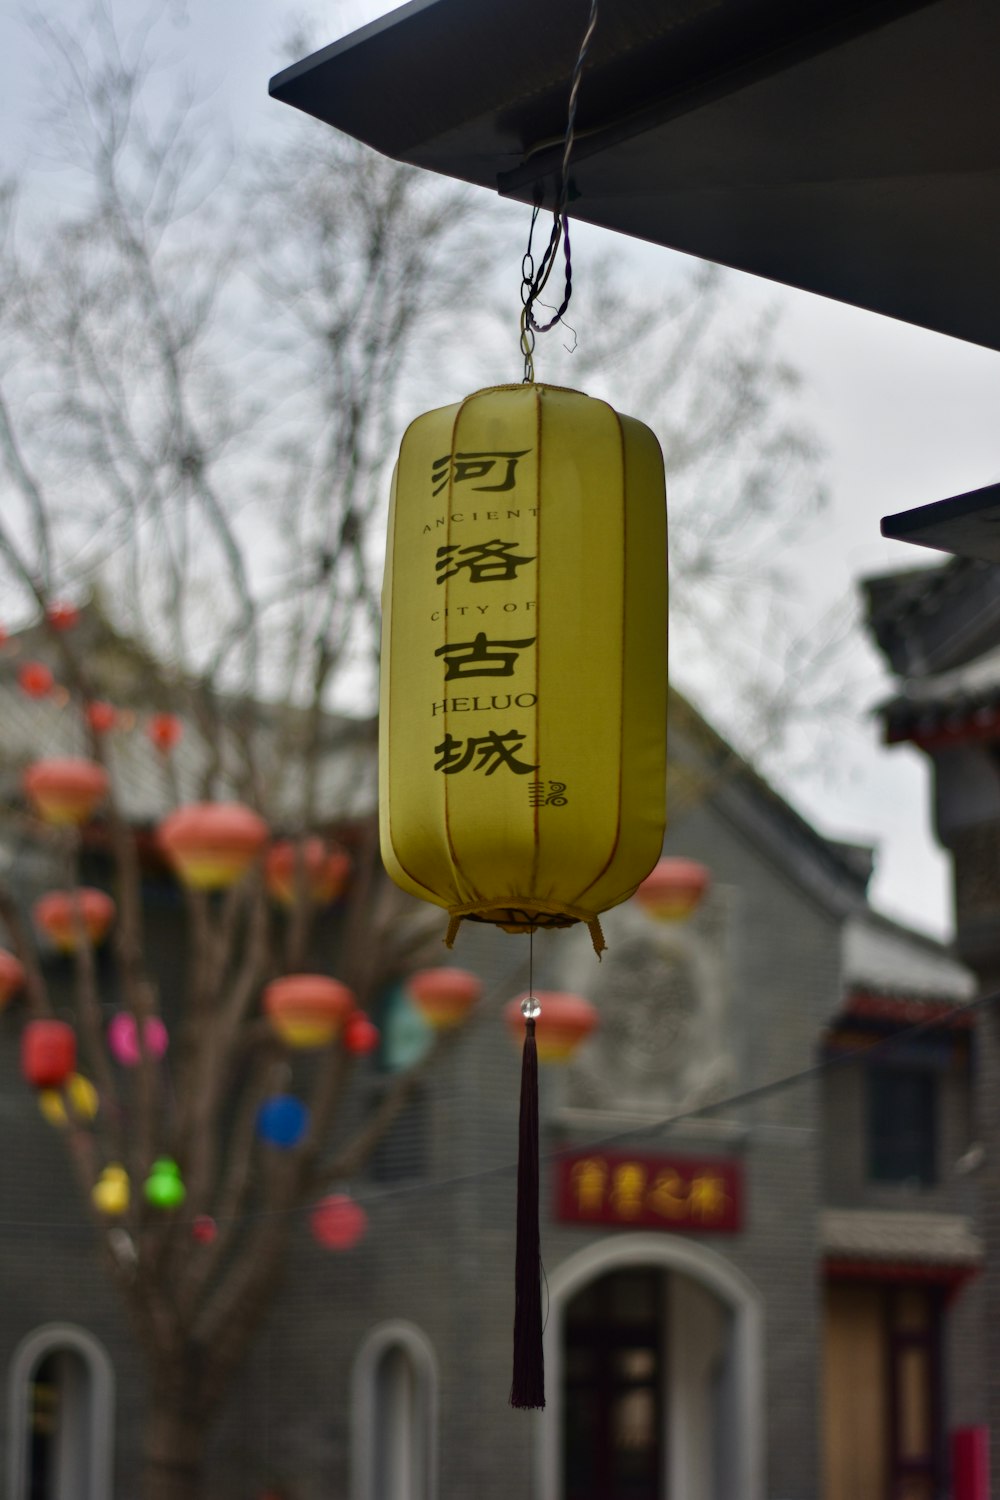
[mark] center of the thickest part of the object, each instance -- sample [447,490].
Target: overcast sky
[907,417]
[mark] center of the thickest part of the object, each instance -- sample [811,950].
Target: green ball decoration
[163,1187]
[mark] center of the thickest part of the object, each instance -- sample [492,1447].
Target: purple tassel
[528,1385]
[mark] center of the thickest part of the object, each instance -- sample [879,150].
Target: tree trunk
[174,1451]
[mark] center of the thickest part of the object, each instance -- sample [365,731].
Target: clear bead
[530,1008]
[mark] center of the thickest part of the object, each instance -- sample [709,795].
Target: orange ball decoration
[212,844]
[165,731]
[307,1010]
[563,1023]
[11,976]
[65,792]
[324,871]
[101,716]
[35,680]
[54,916]
[444,997]
[673,889]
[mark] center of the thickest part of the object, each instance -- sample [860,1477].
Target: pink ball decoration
[337,1222]
[123,1038]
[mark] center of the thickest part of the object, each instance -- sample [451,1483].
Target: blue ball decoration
[282,1121]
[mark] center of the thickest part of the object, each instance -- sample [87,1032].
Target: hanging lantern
[562,1023]
[444,997]
[110,1193]
[360,1035]
[11,976]
[282,1121]
[165,731]
[307,1010]
[65,792]
[672,890]
[337,1222]
[163,1187]
[35,680]
[81,1097]
[324,871]
[123,1038]
[212,844]
[55,915]
[48,1053]
[524,681]
[101,716]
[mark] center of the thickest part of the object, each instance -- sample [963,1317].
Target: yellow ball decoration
[83,1101]
[111,1192]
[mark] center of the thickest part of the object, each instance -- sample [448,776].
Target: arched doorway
[61,1417]
[394,1415]
[654,1375]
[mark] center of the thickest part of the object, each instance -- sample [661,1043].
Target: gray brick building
[751,1292]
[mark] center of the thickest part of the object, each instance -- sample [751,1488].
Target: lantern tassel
[528,1384]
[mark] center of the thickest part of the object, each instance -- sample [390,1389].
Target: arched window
[61,1417]
[394,1413]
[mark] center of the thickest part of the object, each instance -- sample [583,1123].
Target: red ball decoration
[444,997]
[360,1035]
[35,680]
[165,731]
[48,1053]
[65,792]
[324,871]
[204,1229]
[307,1010]
[54,915]
[102,717]
[673,889]
[564,1022]
[212,844]
[62,616]
[337,1222]
[11,976]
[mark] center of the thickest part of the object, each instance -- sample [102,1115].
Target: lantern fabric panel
[524,688]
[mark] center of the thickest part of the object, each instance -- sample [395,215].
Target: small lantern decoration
[212,844]
[81,1098]
[65,792]
[111,1192]
[102,717]
[123,1038]
[55,916]
[673,889]
[204,1230]
[35,679]
[444,997]
[48,1053]
[282,1121]
[524,652]
[165,731]
[307,1010]
[337,1222]
[62,616]
[11,976]
[561,1024]
[361,1035]
[324,871]
[163,1187]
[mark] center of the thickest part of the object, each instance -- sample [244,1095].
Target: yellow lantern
[524,683]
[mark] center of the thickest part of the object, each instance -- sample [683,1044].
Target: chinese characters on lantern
[500,746]
[704,1195]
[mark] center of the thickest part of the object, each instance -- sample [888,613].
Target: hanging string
[533,281]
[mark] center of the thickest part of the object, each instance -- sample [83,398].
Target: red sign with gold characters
[703,1195]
